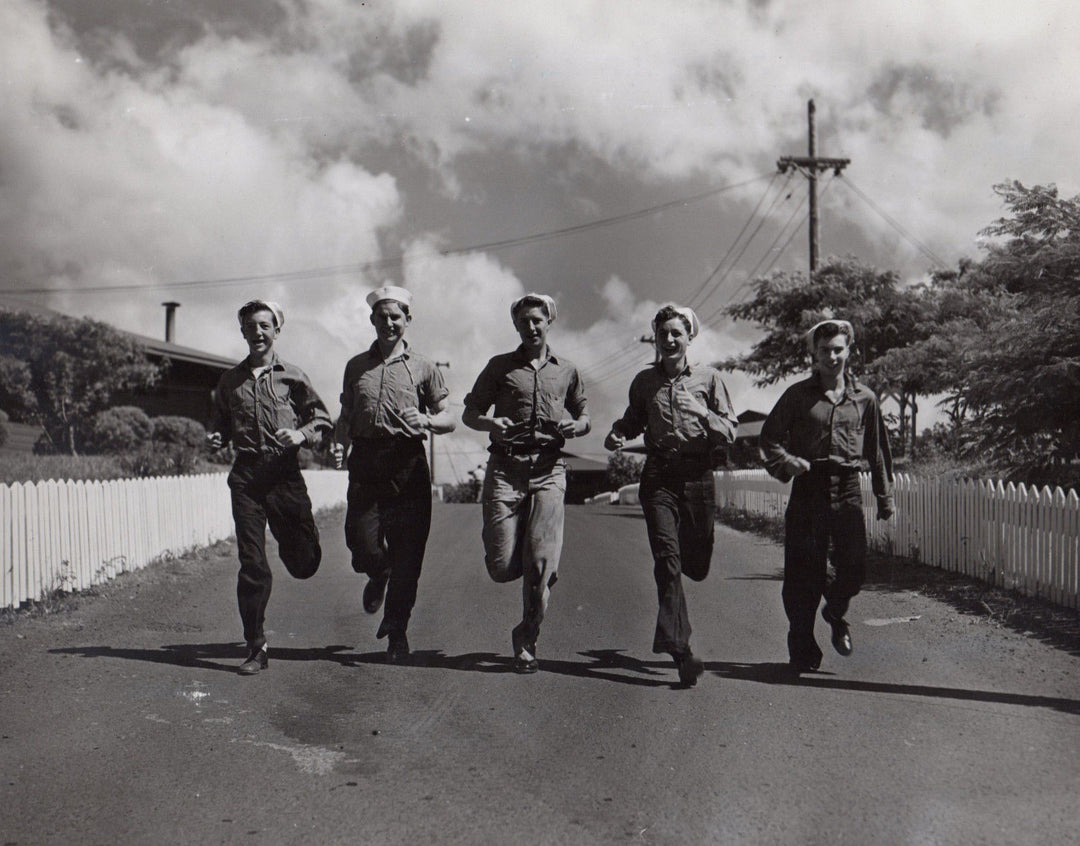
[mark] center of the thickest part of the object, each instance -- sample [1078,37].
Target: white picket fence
[72,535]
[1012,536]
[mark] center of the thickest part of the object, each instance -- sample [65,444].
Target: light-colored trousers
[524,502]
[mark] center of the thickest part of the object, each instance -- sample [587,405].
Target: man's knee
[502,569]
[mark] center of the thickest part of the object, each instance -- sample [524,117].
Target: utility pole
[431,439]
[810,166]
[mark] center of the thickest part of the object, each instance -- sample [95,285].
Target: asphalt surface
[124,721]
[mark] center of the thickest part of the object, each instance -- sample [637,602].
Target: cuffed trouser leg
[270,491]
[292,523]
[679,506]
[806,548]
[363,527]
[254,581]
[524,509]
[848,531]
[543,538]
[389,519]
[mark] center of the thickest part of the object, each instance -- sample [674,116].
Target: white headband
[269,305]
[389,292]
[820,323]
[684,311]
[549,305]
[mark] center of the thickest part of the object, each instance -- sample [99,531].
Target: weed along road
[124,721]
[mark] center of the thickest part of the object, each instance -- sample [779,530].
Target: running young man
[817,434]
[539,402]
[686,415]
[268,409]
[390,397]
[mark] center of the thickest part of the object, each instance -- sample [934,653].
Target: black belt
[511,450]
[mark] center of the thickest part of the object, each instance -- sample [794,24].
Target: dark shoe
[524,652]
[255,663]
[374,591]
[804,665]
[397,650]
[690,668]
[841,634]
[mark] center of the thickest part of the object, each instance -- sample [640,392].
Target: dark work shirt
[534,398]
[807,424]
[668,431]
[376,390]
[248,410]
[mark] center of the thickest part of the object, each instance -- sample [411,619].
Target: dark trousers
[823,516]
[388,519]
[678,498]
[270,490]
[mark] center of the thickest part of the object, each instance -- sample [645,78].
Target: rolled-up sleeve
[774,437]
[632,423]
[722,422]
[310,410]
[877,452]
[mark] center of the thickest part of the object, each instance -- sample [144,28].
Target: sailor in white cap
[391,399]
[819,433]
[529,401]
[685,414]
[268,409]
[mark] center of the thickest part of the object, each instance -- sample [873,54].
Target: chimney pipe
[170,320]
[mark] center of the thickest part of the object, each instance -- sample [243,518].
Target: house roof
[581,464]
[153,346]
[165,349]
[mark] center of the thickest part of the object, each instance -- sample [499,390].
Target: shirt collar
[275,362]
[850,385]
[686,371]
[377,353]
[524,356]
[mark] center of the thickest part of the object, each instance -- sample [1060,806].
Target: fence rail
[73,535]
[1012,536]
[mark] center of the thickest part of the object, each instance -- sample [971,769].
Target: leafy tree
[886,315]
[623,469]
[58,371]
[1021,374]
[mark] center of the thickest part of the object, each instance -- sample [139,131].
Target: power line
[391,261]
[919,245]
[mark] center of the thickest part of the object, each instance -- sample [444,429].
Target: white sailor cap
[258,305]
[390,292]
[685,311]
[549,305]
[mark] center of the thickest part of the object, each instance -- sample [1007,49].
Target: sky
[616,154]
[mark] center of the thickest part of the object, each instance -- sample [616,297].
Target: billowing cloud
[202,141]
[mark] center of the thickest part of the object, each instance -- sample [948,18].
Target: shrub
[623,469]
[3,428]
[118,429]
[182,431]
[160,460]
[468,491]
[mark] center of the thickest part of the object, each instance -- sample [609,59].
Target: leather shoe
[374,591]
[690,668]
[397,650]
[255,663]
[841,634]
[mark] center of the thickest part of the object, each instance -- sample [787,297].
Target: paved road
[123,721]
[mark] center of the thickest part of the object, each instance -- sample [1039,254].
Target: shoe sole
[527,669]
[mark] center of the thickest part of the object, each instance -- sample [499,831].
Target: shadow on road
[773,673]
[213,656]
[609,665]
